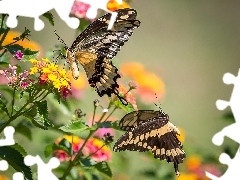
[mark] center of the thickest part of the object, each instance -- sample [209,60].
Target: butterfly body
[149,130]
[97,45]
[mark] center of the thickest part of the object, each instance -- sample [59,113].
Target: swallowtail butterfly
[149,130]
[96,45]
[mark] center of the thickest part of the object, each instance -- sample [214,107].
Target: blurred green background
[190,45]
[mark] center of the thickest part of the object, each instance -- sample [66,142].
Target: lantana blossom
[94,147]
[51,74]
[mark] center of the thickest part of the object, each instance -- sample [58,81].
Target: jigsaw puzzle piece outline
[233,167]
[8,133]
[43,170]
[25,8]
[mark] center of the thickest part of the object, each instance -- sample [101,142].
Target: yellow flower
[73,139]
[33,70]
[193,162]
[185,176]
[51,74]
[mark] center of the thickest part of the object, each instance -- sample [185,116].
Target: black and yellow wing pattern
[96,45]
[135,118]
[156,134]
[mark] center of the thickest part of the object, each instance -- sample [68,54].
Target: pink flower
[94,147]
[13,68]
[79,9]
[64,92]
[101,131]
[19,55]
[132,85]
[24,85]
[61,155]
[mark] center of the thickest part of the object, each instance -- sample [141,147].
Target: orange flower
[2,177]
[185,176]
[25,43]
[113,5]
[193,162]
[148,83]
[77,86]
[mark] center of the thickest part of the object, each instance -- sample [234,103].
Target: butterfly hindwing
[137,117]
[155,134]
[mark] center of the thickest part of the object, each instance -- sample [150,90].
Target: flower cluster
[18,80]
[51,74]
[148,83]
[94,147]
[195,169]
[128,95]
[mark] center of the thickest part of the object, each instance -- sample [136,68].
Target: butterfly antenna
[159,106]
[59,38]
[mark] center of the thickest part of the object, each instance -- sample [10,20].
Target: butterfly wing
[156,135]
[100,25]
[135,118]
[102,74]
[104,44]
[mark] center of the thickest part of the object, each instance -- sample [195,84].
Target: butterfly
[149,130]
[96,45]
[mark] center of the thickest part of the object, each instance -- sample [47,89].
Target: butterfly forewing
[137,117]
[96,45]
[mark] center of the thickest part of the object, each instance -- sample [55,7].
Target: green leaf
[88,162]
[16,160]
[104,168]
[49,149]
[83,24]
[129,108]
[5,60]
[64,145]
[29,51]
[14,48]
[49,17]
[19,148]
[43,113]
[74,127]
[3,106]
[29,54]
[24,130]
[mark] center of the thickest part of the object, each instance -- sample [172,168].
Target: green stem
[3,37]
[95,152]
[5,50]
[94,112]
[72,163]
[19,112]
[13,99]
[12,118]
[3,16]
[41,93]
[110,113]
